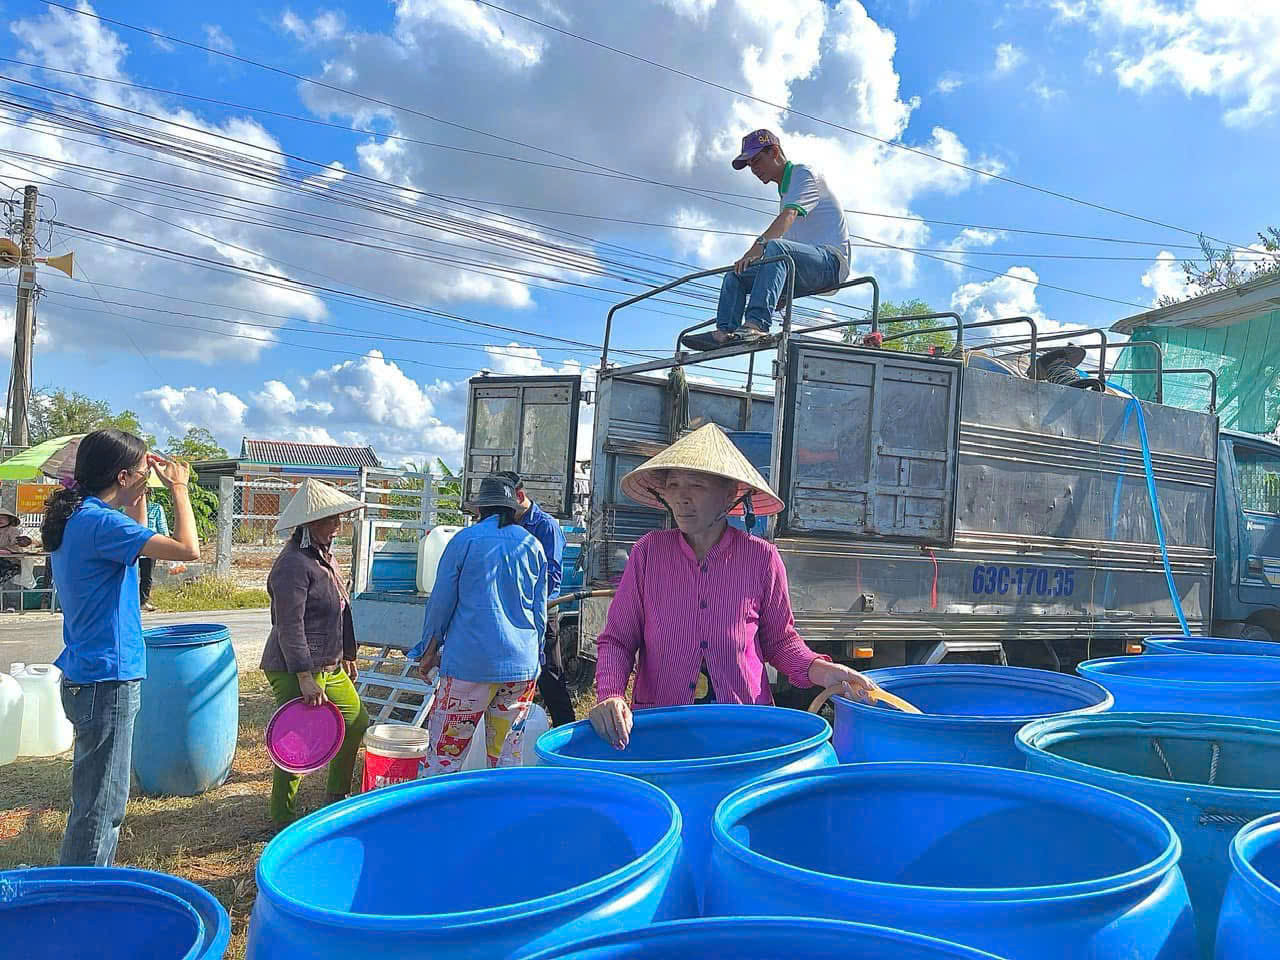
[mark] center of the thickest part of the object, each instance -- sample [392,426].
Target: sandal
[709,341]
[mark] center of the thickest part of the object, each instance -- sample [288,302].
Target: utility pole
[24,325]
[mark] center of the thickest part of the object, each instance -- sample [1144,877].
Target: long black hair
[99,460]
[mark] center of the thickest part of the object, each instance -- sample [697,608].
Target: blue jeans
[102,714]
[817,268]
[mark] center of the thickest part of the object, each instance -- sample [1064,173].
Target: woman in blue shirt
[95,531]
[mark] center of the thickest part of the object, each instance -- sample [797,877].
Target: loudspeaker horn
[62,263]
[10,253]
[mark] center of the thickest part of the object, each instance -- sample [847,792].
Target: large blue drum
[184,739]
[1249,928]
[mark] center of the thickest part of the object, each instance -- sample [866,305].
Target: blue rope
[1155,510]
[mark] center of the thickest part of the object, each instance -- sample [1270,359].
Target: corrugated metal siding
[286,454]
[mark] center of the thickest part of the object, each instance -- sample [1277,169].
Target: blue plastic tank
[124,914]
[1243,648]
[971,713]
[762,938]
[1019,864]
[698,755]
[1223,684]
[487,865]
[1249,928]
[1207,776]
[185,736]
[757,447]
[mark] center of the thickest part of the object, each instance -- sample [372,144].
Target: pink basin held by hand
[302,738]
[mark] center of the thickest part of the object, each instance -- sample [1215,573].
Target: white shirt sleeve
[802,192]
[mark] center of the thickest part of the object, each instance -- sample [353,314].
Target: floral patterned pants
[456,712]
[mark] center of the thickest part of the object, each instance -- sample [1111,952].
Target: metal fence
[400,506]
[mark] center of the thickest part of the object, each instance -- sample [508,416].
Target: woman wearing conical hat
[701,609]
[311,652]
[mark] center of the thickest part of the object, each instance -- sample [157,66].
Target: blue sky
[1161,108]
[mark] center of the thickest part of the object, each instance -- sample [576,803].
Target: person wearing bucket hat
[551,681]
[311,650]
[485,620]
[810,228]
[703,607]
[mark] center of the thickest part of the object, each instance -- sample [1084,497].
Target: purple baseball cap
[753,143]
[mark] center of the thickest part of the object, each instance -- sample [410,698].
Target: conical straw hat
[706,450]
[315,500]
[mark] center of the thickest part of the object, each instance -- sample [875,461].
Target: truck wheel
[1252,631]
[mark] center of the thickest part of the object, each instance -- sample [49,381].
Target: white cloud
[949,83]
[1011,295]
[1009,58]
[1069,11]
[325,27]
[1046,93]
[171,411]
[1165,278]
[217,38]
[1224,49]
[970,238]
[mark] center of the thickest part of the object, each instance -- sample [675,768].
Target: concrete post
[226,523]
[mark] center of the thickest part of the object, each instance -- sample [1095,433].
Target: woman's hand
[311,691]
[172,473]
[611,719]
[349,668]
[824,673]
[430,660]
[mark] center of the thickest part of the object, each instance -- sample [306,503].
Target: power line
[839,126]
[529,162]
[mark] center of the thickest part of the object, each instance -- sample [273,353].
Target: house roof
[1218,309]
[284,453]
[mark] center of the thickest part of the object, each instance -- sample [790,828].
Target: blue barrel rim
[1199,723]
[1251,840]
[1044,678]
[1173,644]
[214,938]
[544,747]
[1101,667]
[678,930]
[285,843]
[185,634]
[751,797]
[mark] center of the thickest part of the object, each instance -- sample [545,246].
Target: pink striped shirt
[733,611]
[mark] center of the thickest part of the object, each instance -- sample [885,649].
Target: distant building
[1234,333]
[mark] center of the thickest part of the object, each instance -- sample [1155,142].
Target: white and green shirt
[819,215]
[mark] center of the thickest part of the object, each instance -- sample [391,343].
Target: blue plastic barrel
[112,913]
[1207,775]
[1224,685]
[762,938]
[1243,648]
[1020,864]
[699,755]
[185,736]
[485,865]
[971,713]
[1249,928]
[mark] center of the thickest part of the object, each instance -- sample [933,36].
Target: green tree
[1220,269]
[916,342]
[204,504]
[448,492]
[56,413]
[197,444]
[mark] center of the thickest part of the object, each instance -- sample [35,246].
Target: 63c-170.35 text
[1024,581]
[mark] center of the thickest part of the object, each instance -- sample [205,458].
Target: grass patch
[207,593]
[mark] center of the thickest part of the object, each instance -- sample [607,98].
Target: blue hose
[1136,406]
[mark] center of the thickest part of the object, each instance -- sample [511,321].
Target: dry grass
[213,840]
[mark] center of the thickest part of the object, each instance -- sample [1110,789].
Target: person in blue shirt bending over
[95,531]
[485,620]
[551,682]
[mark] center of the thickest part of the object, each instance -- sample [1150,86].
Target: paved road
[36,637]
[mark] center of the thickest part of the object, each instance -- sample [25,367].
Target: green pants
[337,686]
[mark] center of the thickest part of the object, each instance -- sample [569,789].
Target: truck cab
[1247,573]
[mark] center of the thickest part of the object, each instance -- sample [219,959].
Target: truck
[955,502]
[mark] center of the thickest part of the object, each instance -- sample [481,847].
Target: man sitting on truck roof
[810,229]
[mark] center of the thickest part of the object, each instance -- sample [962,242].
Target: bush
[204,504]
